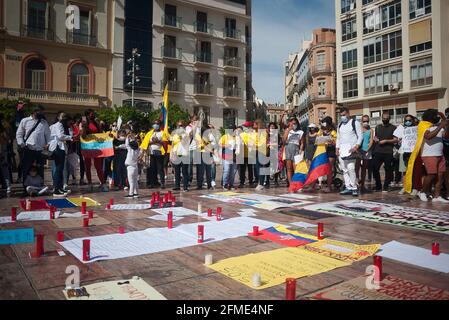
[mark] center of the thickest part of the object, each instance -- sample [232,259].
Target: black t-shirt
[384,133]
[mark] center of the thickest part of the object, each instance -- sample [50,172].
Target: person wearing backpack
[383,152]
[349,141]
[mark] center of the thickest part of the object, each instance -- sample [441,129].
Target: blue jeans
[229,171]
[58,169]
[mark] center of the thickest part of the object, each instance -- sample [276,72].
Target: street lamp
[132,72]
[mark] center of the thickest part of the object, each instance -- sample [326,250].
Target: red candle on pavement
[290,292]
[320,234]
[153,197]
[158,196]
[378,269]
[173,203]
[60,236]
[111,202]
[255,231]
[86,250]
[170,220]
[121,230]
[161,204]
[91,214]
[13,214]
[169,195]
[152,203]
[83,207]
[86,222]
[436,249]
[108,207]
[209,212]
[39,245]
[219,214]
[200,234]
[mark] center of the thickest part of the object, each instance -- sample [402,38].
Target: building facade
[275,112]
[43,60]
[392,56]
[200,49]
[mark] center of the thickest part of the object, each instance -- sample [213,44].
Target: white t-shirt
[433,147]
[295,137]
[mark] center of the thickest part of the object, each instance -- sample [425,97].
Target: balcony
[173,85]
[172,53]
[319,70]
[232,62]
[37,32]
[202,89]
[203,57]
[45,97]
[203,28]
[171,21]
[82,39]
[315,98]
[232,34]
[304,105]
[232,93]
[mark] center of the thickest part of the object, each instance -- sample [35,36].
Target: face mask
[408,123]
[295,127]
[324,125]
[366,125]
[386,121]
[156,127]
[344,119]
[437,120]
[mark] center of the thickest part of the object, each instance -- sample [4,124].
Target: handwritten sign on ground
[153,240]
[391,288]
[417,218]
[16,236]
[343,251]
[285,237]
[134,289]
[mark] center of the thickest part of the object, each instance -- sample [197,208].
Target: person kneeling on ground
[34,183]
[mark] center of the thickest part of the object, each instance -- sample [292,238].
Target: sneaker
[58,193]
[414,193]
[440,200]
[402,192]
[129,196]
[423,197]
[136,196]
[346,192]
[355,193]
[43,191]
[176,189]
[213,184]
[186,190]
[8,190]
[387,190]
[260,188]
[125,188]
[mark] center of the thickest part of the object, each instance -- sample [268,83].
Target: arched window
[79,79]
[35,75]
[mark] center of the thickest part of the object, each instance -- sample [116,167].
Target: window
[350,86]
[381,48]
[418,8]
[421,72]
[229,118]
[231,87]
[379,80]
[204,52]
[202,83]
[420,36]
[349,29]
[37,22]
[171,78]
[231,57]
[322,88]
[347,5]
[382,17]
[201,22]
[365,2]
[83,34]
[170,18]
[35,73]
[321,61]
[79,79]
[197,110]
[231,28]
[170,47]
[349,57]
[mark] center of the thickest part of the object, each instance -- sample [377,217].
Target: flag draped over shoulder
[422,128]
[300,177]
[98,145]
[320,165]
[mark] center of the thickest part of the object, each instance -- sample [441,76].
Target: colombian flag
[285,237]
[320,165]
[164,111]
[97,146]
[300,177]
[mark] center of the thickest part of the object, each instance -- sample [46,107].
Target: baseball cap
[248,124]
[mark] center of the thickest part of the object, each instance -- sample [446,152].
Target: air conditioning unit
[394,87]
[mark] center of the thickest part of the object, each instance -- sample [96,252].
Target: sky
[279,27]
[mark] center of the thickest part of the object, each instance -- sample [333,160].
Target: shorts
[434,165]
[291,151]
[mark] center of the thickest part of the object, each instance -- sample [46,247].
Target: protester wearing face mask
[310,146]
[156,156]
[294,144]
[349,141]
[446,157]
[432,155]
[328,130]
[179,156]
[193,129]
[33,136]
[383,152]
[120,153]
[247,165]
[365,163]
[59,136]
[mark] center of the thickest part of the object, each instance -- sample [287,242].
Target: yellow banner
[78,201]
[276,266]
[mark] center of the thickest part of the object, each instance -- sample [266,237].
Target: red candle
[108,207]
[378,269]
[153,197]
[83,207]
[60,236]
[209,212]
[86,250]
[152,203]
[86,222]
[91,214]
[161,204]
[170,220]
[218,215]
[290,293]
[173,204]
[436,249]
[39,245]
[200,234]
[111,202]
[255,231]
[13,214]
[169,195]
[320,235]
[158,196]
[121,230]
